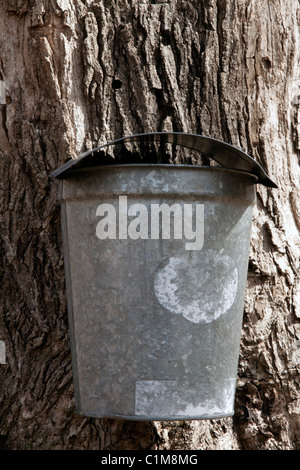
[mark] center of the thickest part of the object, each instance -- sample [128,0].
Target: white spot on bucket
[152,178]
[200,286]
[176,398]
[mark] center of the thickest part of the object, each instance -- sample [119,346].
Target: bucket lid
[223,153]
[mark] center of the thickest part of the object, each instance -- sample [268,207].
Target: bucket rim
[107,167]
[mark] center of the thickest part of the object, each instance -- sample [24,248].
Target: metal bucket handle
[223,153]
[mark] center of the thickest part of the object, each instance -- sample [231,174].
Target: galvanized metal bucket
[156,261]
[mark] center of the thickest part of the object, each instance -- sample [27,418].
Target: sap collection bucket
[156,260]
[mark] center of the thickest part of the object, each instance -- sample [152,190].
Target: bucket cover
[223,153]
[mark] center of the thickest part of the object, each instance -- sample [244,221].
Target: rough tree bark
[79,73]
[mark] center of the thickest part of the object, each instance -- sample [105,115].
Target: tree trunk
[79,73]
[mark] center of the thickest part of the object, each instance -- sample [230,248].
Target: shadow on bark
[126,435]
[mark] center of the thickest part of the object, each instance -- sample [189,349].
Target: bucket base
[154,418]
